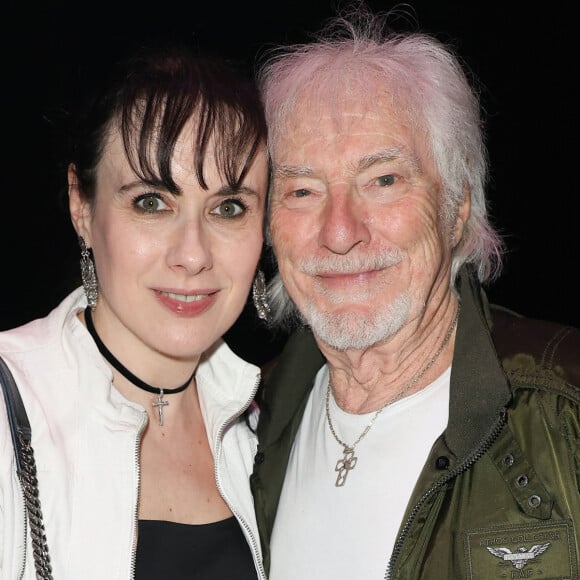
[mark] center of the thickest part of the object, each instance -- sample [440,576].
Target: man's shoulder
[288,378]
[537,352]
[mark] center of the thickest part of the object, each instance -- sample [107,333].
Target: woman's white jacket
[86,437]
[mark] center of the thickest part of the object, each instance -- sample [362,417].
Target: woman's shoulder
[41,334]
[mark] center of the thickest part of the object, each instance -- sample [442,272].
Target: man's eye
[384,180]
[150,203]
[301,193]
[230,208]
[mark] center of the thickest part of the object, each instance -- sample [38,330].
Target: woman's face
[174,271]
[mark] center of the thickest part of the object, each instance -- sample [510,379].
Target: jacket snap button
[442,462]
[534,501]
[508,460]
[522,481]
[259,457]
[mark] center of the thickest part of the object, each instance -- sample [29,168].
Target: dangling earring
[88,274]
[260,296]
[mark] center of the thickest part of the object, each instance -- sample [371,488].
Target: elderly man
[410,429]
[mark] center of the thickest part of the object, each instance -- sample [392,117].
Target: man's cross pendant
[160,403]
[344,465]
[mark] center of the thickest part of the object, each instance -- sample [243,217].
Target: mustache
[315,265]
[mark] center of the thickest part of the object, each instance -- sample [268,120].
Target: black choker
[159,401]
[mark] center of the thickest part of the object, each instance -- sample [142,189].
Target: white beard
[352,330]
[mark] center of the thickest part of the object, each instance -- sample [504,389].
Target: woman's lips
[190,304]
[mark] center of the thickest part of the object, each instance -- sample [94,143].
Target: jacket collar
[479,388]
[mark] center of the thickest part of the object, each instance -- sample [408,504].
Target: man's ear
[463,212]
[79,208]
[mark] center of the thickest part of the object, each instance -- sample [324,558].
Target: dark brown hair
[150,98]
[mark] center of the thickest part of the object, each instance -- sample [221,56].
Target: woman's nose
[190,246]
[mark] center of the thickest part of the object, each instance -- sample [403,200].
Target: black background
[525,58]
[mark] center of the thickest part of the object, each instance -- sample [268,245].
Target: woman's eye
[229,208]
[385,180]
[150,203]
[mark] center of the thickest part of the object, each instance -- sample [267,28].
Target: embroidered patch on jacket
[543,552]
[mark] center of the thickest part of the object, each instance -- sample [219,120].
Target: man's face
[355,222]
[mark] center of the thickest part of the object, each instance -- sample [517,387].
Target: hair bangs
[198,105]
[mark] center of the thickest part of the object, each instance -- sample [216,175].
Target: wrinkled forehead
[344,120]
[340,108]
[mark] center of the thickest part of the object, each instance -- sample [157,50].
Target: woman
[140,412]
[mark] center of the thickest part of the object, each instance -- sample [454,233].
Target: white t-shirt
[324,532]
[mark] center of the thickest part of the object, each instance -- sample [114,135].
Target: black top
[170,551]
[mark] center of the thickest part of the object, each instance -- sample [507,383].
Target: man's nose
[344,222]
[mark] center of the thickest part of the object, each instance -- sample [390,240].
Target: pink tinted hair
[353,57]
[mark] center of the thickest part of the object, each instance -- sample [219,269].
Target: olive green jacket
[499,496]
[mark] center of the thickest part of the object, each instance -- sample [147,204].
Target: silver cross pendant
[344,465]
[160,403]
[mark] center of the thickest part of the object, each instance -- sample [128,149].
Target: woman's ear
[79,208]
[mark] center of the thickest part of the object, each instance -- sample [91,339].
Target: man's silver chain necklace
[349,459]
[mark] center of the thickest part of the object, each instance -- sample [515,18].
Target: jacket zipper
[471,459]
[136,514]
[239,518]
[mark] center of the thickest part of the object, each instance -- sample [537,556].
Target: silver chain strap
[26,469]
[30,486]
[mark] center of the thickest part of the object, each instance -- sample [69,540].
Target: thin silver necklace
[348,461]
